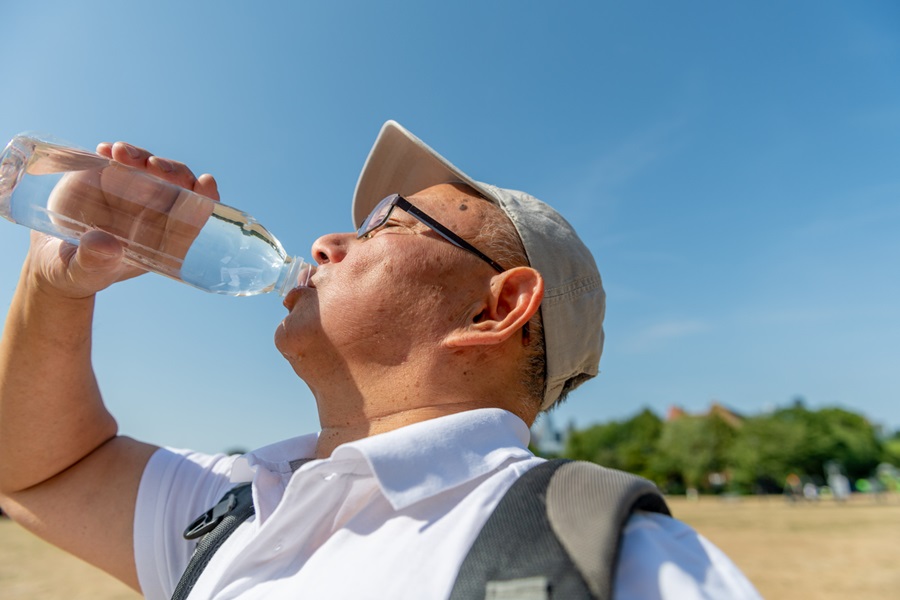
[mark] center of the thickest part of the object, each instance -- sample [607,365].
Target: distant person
[810,491]
[840,486]
[431,338]
[793,487]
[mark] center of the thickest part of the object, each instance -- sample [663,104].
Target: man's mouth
[305,277]
[304,282]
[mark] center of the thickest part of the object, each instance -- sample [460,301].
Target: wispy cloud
[593,187]
[782,316]
[596,187]
[861,210]
[618,164]
[657,335]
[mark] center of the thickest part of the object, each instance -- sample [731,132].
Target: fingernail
[131,150]
[163,164]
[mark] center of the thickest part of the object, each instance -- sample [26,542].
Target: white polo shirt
[387,517]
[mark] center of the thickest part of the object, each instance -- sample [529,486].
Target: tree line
[724,452]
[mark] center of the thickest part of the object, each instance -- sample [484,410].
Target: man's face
[375,300]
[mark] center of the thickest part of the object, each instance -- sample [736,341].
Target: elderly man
[431,338]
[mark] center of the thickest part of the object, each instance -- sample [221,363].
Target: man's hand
[163,219]
[65,473]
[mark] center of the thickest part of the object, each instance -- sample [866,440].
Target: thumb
[97,261]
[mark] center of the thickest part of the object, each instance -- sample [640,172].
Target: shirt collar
[414,462]
[421,460]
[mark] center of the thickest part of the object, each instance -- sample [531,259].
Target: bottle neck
[295,272]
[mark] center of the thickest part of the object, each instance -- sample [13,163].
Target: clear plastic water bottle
[65,191]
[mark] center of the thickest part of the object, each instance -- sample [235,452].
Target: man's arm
[65,473]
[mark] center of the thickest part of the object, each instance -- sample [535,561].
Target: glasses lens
[378,216]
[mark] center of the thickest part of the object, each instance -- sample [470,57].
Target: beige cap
[574,302]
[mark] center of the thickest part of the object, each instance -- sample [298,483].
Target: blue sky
[733,167]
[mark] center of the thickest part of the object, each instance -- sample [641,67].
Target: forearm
[51,411]
[64,472]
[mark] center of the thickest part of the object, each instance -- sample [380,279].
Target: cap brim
[401,163]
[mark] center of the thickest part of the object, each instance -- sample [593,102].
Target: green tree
[627,445]
[891,446]
[852,441]
[797,440]
[691,448]
[834,434]
[765,452]
[756,453]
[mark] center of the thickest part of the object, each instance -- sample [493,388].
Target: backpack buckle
[211,518]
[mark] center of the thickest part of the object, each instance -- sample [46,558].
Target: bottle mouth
[296,273]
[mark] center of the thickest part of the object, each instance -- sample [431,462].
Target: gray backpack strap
[588,506]
[214,527]
[555,534]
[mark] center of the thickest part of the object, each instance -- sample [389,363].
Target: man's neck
[335,433]
[360,403]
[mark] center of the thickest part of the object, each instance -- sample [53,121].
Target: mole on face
[463,206]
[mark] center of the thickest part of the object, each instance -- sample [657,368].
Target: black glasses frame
[396,200]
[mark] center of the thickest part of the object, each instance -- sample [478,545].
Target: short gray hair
[499,237]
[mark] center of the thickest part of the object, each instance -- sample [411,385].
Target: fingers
[206,185]
[169,170]
[164,168]
[104,149]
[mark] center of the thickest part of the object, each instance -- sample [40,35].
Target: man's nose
[331,248]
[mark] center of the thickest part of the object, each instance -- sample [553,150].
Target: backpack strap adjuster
[211,518]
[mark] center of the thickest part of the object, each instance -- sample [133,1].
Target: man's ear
[514,297]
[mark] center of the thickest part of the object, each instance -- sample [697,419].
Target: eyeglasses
[382,212]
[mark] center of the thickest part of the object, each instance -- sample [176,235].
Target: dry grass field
[821,551]
[33,569]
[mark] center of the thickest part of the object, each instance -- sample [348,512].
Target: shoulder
[176,487]
[661,557]
[171,469]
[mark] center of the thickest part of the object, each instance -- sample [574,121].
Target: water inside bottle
[233,254]
[170,230]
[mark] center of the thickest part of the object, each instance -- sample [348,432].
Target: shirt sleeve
[661,558]
[177,486]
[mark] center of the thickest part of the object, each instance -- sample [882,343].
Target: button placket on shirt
[315,499]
